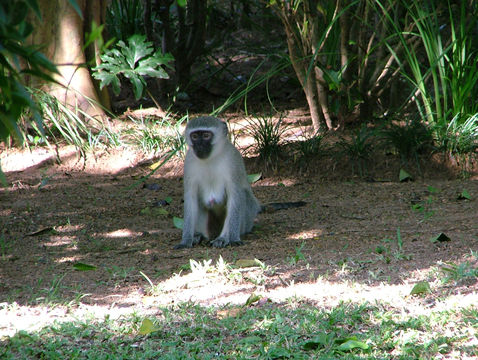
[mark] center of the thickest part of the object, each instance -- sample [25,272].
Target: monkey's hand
[221,242]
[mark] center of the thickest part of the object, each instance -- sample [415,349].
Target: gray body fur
[218,199]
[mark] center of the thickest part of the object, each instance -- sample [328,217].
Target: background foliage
[387,63]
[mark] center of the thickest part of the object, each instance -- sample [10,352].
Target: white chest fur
[211,180]
[213,192]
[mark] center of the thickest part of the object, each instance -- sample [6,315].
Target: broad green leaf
[252,178]
[178,222]
[464,195]
[137,87]
[441,237]
[83,267]
[147,327]
[351,344]
[252,299]
[404,176]
[145,211]
[318,342]
[422,287]
[133,60]
[160,211]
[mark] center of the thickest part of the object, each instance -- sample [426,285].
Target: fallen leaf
[147,327]
[245,263]
[404,176]
[252,299]
[422,287]
[351,344]
[178,222]
[440,238]
[42,231]
[464,195]
[83,267]
[252,178]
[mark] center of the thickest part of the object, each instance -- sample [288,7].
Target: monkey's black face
[202,143]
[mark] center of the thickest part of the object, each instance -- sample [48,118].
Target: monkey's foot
[183,246]
[198,238]
[222,242]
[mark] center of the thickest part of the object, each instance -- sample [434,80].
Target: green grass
[65,125]
[267,134]
[156,135]
[270,331]
[358,149]
[409,140]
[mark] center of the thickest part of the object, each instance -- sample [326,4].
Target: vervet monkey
[218,201]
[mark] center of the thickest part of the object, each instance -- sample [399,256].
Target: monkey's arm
[191,211]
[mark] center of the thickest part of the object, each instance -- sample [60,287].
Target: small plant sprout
[299,256]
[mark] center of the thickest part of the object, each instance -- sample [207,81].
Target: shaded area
[53,217]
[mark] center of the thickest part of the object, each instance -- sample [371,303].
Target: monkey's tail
[271,207]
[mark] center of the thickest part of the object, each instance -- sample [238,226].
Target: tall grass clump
[267,135]
[438,57]
[408,140]
[70,125]
[358,149]
[153,135]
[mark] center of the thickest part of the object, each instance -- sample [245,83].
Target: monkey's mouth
[202,153]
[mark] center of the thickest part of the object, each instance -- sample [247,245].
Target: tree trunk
[62,33]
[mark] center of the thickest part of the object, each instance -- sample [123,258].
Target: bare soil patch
[343,245]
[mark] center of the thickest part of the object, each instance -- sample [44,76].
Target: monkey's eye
[207,136]
[194,136]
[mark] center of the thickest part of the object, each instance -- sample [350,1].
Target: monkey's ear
[225,129]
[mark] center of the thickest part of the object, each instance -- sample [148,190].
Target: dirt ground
[355,239]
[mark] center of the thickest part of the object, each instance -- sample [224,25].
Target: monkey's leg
[201,231]
[231,231]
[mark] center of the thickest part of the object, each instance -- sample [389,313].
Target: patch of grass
[459,273]
[72,126]
[386,252]
[267,331]
[267,134]
[424,207]
[358,149]
[409,140]
[154,135]
[309,146]
[119,274]
[460,140]
[53,292]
